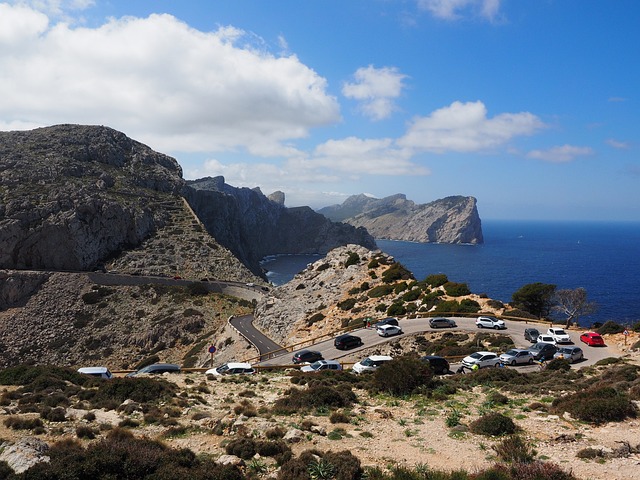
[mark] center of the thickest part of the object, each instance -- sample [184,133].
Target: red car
[592,339]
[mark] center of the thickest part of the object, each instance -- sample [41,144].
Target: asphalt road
[414,326]
[244,325]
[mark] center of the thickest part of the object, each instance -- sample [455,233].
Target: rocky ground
[380,430]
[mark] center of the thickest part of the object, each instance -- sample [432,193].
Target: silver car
[571,354]
[516,356]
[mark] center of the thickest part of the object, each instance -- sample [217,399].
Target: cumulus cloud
[465,127]
[160,81]
[456,9]
[560,154]
[375,88]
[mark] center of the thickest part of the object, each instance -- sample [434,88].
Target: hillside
[448,220]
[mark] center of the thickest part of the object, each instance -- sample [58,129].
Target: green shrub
[316,396]
[597,405]
[610,327]
[139,390]
[396,272]
[347,304]
[493,425]
[396,309]
[380,291]
[401,376]
[514,449]
[339,417]
[20,423]
[454,289]
[590,453]
[412,295]
[323,266]
[83,431]
[373,263]
[436,280]
[353,259]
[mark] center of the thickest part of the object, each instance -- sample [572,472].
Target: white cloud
[161,82]
[464,127]
[375,88]
[365,157]
[456,9]
[617,144]
[560,154]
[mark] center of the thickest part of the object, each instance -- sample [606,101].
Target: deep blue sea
[603,258]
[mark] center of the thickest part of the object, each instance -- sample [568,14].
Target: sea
[601,257]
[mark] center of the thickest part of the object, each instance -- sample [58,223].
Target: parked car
[231,368]
[490,322]
[531,334]
[559,335]
[387,321]
[439,365]
[99,372]
[592,339]
[322,365]
[388,330]
[156,369]
[370,363]
[482,359]
[441,322]
[543,351]
[571,354]
[516,356]
[546,339]
[346,341]
[306,356]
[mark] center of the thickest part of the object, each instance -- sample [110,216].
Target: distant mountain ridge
[452,219]
[253,225]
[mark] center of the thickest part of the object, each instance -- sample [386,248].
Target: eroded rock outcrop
[71,195]
[449,220]
[253,225]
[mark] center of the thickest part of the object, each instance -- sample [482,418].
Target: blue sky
[531,106]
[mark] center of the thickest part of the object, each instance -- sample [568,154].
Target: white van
[369,364]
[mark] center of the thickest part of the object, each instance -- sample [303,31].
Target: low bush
[140,390]
[352,259]
[597,405]
[380,291]
[454,289]
[493,425]
[316,396]
[514,449]
[20,423]
[610,327]
[347,304]
[436,280]
[339,417]
[401,376]
[396,272]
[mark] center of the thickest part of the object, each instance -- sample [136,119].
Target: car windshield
[560,331]
[512,353]
[566,351]
[476,355]
[222,368]
[367,362]
[316,365]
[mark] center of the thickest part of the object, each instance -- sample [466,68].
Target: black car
[440,322]
[306,356]
[439,365]
[346,341]
[387,321]
[543,351]
[531,334]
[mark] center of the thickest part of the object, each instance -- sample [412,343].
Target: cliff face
[448,220]
[71,195]
[253,226]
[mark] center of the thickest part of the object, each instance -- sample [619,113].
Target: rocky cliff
[449,220]
[253,225]
[72,195]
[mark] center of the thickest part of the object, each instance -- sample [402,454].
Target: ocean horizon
[601,257]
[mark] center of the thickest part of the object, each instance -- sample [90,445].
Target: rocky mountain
[449,220]
[253,225]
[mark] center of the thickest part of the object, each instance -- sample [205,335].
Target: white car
[546,339]
[490,322]
[99,372]
[559,335]
[388,330]
[369,364]
[482,359]
[321,365]
[231,368]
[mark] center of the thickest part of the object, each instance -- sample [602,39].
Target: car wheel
[479,325]
[531,361]
[497,327]
[513,363]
